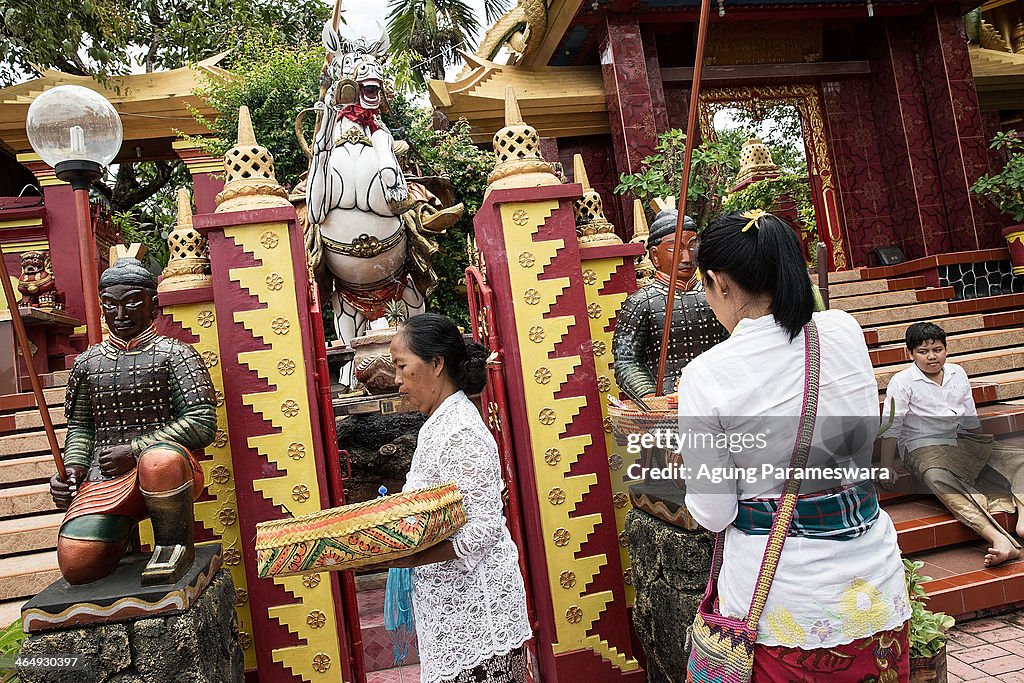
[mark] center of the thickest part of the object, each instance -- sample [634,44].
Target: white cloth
[826,592]
[927,413]
[473,608]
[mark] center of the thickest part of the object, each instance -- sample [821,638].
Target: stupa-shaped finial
[249,167]
[518,162]
[755,163]
[645,270]
[189,264]
[591,225]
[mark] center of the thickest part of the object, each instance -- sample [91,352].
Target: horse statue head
[356,68]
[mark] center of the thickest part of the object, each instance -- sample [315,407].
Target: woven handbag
[722,648]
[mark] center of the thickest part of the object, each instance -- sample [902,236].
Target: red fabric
[881,658]
[373,304]
[364,117]
[121,496]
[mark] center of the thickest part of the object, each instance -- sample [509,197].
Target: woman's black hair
[762,259]
[430,336]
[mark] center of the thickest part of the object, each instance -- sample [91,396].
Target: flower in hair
[752,216]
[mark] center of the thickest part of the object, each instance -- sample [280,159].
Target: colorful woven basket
[632,419]
[361,534]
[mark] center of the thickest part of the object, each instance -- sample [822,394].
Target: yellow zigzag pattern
[288,407]
[559,493]
[607,307]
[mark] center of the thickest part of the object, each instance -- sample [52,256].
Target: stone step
[924,524]
[842,290]
[18,501]
[978,340]
[886,317]
[24,534]
[1002,418]
[892,334]
[29,468]
[30,419]
[841,276]
[23,576]
[25,401]
[962,585]
[24,444]
[976,365]
[887,300]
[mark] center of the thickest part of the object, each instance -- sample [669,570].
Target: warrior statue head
[128,298]
[662,245]
[356,68]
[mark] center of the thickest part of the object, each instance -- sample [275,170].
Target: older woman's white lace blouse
[472,608]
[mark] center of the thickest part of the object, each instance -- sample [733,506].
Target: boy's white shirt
[927,413]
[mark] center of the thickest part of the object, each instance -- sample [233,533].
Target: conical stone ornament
[755,162]
[591,225]
[189,263]
[250,173]
[517,153]
[645,270]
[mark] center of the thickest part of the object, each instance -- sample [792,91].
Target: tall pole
[87,260]
[684,186]
[33,376]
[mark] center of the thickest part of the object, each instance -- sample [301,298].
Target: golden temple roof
[153,106]
[557,101]
[999,78]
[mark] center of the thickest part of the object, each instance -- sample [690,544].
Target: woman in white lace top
[469,600]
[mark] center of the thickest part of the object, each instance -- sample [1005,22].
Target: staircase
[28,520]
[985,336]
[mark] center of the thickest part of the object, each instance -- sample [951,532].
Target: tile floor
[989,649]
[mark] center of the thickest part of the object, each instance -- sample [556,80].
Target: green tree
[436,30]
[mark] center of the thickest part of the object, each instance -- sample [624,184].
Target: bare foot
[1005,551]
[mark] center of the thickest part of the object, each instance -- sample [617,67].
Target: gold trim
[20,247]
[807,99]
[25,223]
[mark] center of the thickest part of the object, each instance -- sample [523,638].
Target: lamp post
[77,132]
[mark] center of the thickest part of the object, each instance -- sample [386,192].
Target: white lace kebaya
[472,608]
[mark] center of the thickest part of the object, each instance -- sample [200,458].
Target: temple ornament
[249,168]
[189,264]
[37,285]
[518,162]
[591,225]
[520,30]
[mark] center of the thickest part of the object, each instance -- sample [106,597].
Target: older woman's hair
[762,256]
[431,336]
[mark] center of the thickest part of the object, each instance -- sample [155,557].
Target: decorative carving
[206,318]
[250,173]
[567,579]
[227,516]
[232,557]
[220,439]
[589,277]
[275,282]
[620,500]
[594,311]
[574,614]
[296,450]
[286,366]
[209,358]
[615,462]
[290,408]
[280,325]
[36,283]
[542,375]
[552,456]
[188,266]
[241,597]
[316,619]
[300,493]
[520,218]
[561,537]
[531,296]
[604,385]
[546,416]
[536,334]
[556,496]
[245,640]
[520,30]
[220,474]
[311,580]
[526,259]
[321,662]
[269,240]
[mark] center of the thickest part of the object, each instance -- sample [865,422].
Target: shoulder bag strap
[787,507]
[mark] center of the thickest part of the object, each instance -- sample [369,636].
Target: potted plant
[927,630]
[1006,191]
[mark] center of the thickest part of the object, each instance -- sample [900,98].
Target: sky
[361,14]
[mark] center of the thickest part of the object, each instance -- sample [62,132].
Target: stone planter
[374,368]
[1014,236]
[929,669]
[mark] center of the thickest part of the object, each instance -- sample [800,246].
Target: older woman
[837,608]
[469,600]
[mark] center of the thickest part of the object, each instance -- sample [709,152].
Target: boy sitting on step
[936,428]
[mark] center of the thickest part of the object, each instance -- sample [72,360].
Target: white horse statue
[365,221]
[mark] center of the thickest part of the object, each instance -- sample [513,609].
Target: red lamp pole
[88,261]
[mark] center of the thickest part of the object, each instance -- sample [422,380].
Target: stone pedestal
[670,572]
[199,646]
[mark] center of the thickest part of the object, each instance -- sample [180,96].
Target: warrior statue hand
[62,491]
[116,460]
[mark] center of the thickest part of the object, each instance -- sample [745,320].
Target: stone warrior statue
[636,344]
[366,225]
[138,406]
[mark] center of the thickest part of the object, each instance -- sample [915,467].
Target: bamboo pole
[33,376]
[684,185]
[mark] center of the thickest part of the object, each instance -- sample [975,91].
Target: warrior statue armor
[138,406]
[636,344]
